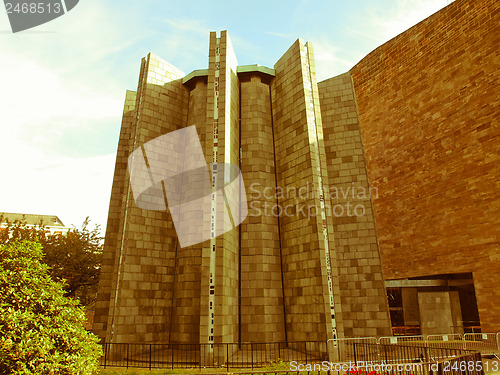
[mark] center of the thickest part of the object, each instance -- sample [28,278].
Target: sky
[63,83]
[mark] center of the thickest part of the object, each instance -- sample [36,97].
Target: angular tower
[303,265]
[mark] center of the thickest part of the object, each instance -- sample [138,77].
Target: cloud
[39,94]
[330,59]
[187,24]
[367,29]
[280,35]
[186,40]
[72,188]
[187,44]
[298,13]
[40,111]
[248,52]
[380,24]
[61,105]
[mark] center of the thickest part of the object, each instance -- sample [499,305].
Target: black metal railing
[424,358]
[244,355]
[397,353]
[408,330]
[412,357]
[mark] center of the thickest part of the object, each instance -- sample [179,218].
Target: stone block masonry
[284,274]
[360,268]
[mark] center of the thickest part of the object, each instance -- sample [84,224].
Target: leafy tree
[41,330]
[74,257]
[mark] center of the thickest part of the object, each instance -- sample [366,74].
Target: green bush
[41,330]
[74,257]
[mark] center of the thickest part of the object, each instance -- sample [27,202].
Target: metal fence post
[105,354]
[127,353]
[251,349]
[227,357]
[150,356]
[305,350]
[427,356]
[355,357]
[172,356]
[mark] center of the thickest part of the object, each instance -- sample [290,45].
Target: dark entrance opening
[433,304]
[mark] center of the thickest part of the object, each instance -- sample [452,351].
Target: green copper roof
[195,73]
[240,69]
[255,68]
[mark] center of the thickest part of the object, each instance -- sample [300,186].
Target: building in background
[51,223]
[407,139]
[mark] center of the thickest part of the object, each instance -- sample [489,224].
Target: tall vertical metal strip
[211,296]
[240,158]
[311,125]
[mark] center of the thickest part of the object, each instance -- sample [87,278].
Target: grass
[121,371]
[139,371]
[492,369]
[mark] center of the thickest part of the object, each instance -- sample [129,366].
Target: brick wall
[428,104]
